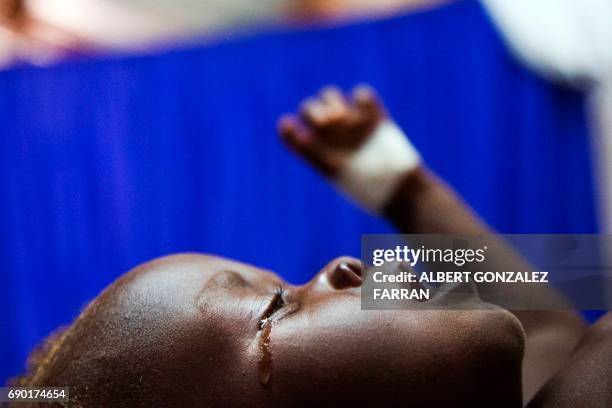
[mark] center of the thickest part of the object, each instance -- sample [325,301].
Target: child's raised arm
[354,144]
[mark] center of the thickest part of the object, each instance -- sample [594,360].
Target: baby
[197,330]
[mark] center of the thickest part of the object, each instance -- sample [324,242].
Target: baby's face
[195,330]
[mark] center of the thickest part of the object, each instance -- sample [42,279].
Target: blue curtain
[108,163]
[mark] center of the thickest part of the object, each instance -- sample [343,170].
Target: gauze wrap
[373,173]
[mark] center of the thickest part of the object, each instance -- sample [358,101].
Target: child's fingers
[332,95]
[314,113]
[366,102]
[335,103]
[299,139]
[293,134]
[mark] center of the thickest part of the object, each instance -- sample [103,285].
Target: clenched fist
[330,127]
[353,143]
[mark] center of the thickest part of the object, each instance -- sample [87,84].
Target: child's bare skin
[331,127]
[586,379]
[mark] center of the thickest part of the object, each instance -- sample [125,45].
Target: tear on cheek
[264,365]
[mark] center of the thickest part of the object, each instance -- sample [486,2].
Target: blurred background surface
[43,31]
[134,129]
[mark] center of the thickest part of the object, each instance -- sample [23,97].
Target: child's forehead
[192,273]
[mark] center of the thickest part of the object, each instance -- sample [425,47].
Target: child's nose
[344,273]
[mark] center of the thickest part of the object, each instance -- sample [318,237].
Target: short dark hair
[39,360]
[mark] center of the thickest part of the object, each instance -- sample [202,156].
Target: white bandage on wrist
[373,174]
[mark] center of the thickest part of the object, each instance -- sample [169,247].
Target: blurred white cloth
[137,24]
[106,24]
[569,41]
[211,14]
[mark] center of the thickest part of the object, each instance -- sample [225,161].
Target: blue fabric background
[106,164]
